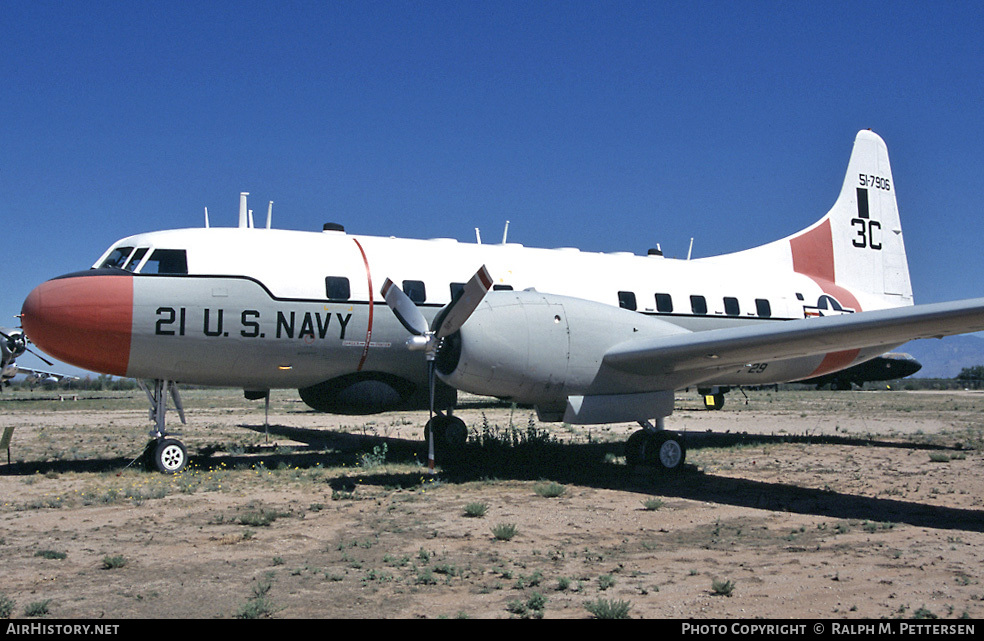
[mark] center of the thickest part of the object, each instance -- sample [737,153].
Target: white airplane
[586,338]
[13,343]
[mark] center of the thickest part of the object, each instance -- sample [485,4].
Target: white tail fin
[858,244]
[854,253]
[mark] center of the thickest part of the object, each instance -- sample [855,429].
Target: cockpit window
[166,261]
[118,257]
[135,259]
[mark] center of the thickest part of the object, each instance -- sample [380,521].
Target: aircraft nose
[84,319]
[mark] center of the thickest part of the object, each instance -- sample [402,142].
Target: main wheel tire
[668,451]
[714,401]
[450,432]
[456,433]
[636,447]
[170,456]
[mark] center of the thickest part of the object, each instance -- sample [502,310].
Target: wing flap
[716,349]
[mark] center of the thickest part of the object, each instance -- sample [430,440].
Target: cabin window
[457,289]
[731,307]
[337,288]
[502,288]
[698,304]
[135,259]
[763,308]
[415,290]
[166,261]
[627,300]
[118,258]
[664,303]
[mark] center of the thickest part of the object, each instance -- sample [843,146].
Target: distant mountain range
[945,357]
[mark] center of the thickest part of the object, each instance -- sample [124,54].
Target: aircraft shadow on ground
[590,464]
[585,464]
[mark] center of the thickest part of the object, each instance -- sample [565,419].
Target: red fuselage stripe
[365,350]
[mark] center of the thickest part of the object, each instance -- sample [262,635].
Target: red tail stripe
[813,256]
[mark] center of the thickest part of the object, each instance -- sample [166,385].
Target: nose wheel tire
[170,456]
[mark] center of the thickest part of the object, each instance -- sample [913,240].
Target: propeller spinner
[427,338]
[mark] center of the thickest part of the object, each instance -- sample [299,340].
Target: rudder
[858,245]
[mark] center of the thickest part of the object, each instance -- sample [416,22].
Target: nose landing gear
[165,454]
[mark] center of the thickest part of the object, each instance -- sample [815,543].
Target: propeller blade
[404,308]
[460,309]
[49,363]
[448,321]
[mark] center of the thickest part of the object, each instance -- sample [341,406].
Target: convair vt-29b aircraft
[586,338]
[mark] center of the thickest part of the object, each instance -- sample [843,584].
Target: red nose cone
[84,320]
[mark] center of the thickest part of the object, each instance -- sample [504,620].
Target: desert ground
[792,504]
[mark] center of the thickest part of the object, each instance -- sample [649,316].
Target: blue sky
[610,126]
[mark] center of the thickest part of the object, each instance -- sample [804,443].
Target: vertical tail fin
[858,245]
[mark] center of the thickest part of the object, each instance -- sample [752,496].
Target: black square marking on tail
[862,203]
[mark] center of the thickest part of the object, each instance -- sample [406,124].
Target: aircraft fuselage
[265,309]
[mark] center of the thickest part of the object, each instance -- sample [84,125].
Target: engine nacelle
[539,349]
[13,342]
[372,393]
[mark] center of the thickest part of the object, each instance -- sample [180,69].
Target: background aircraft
[887,367]
[13,343]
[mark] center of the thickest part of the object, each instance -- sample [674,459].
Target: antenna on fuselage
[691,250]
[243,212]
[478,236]
[269,214]
[505,232]
[206,218]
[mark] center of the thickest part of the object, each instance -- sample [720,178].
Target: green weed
[722,588]
[549,490]
[504,531]
[476,510]
[608,609]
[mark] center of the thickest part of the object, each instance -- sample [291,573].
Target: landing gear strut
[167,455]
[657,447]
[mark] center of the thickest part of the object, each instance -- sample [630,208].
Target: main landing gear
[655,446]
[450,432]
[167,455]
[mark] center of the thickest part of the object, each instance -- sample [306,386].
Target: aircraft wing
[41,375]
[683,357]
